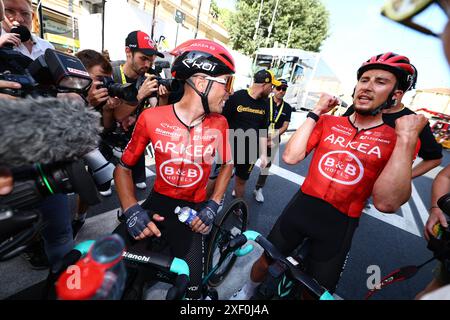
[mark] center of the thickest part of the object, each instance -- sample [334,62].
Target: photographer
[141,53]
[99,68]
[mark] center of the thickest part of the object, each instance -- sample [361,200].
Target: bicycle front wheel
[232,223]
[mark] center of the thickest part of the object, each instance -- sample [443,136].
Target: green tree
[214,10]
[309,19]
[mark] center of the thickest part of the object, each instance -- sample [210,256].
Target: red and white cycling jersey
[183,155]
[346,163]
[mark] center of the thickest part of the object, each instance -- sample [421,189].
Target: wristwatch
[313,116]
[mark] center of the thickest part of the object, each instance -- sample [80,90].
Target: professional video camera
[51,73]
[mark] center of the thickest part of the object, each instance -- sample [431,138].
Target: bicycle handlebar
[274,254]
[174,265]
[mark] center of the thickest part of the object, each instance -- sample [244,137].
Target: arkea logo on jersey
[342,167]
[354,145]
[196,151]
[181,173]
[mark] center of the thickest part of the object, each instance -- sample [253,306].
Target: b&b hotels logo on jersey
[181,173]
[342,167]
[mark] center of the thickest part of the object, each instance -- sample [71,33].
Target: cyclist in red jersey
[185,137]
[354,157]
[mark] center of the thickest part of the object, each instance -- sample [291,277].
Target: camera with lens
[168,83]
[51,73]
[127,92]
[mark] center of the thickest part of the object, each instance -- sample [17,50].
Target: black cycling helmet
[202,56]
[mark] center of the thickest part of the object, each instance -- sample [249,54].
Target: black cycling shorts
[183,243]
[243,171]
[330,233]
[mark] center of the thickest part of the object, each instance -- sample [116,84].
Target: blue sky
[358,31]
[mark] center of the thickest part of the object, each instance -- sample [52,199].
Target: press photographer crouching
[104,95]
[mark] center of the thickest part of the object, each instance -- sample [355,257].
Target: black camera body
[127,92]
[26,81]
[165,82]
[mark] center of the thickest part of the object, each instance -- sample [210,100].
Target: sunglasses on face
[281,88]
[227,82]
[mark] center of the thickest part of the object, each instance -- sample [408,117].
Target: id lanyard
[122,74]
[274,121]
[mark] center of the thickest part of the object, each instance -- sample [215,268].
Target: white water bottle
[186,214]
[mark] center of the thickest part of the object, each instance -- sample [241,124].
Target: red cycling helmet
[400,66]
[201,56]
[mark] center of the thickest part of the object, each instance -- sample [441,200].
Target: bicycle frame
[294,272]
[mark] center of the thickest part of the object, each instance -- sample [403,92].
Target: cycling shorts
[330,234]
[243,171]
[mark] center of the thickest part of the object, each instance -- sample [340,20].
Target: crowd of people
[203,133]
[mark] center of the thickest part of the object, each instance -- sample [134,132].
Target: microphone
[23,33]
[45,131]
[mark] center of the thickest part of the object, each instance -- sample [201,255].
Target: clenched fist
[410,126]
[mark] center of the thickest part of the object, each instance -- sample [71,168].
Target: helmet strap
[389,103]
[203,95]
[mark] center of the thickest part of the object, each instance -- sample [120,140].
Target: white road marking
[423,212]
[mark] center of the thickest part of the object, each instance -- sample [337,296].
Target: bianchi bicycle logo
[342,167]
[135,257]
[181,173]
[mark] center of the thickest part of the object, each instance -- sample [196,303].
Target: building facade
[72,25]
